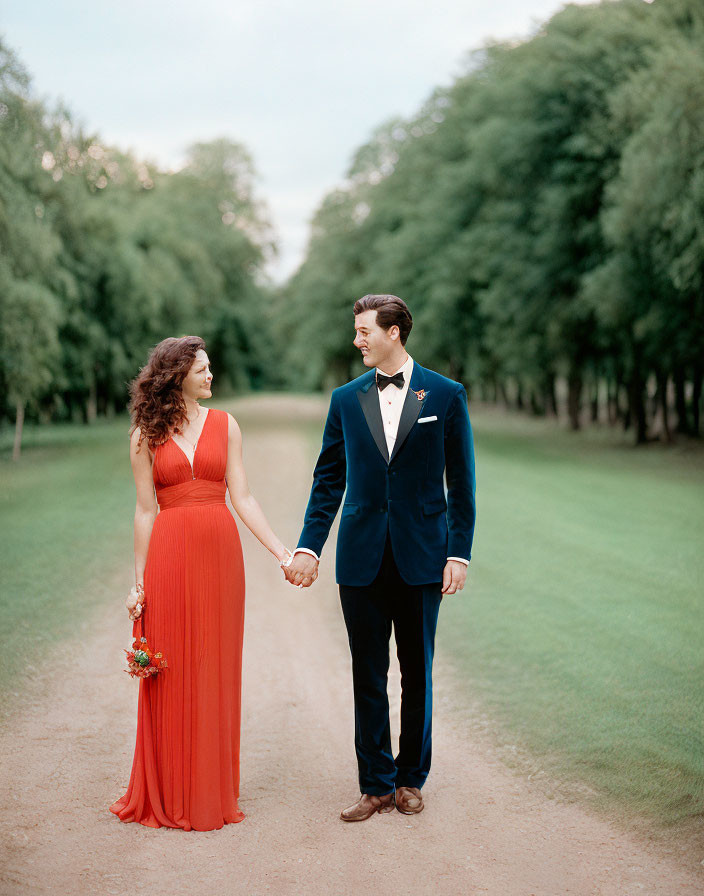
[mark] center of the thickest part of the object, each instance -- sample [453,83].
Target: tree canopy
[102,255]
[542,216]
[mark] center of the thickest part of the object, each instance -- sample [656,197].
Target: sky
[301,83]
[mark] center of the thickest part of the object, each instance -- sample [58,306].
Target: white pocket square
[426,419]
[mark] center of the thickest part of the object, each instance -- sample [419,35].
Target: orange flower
[155,661]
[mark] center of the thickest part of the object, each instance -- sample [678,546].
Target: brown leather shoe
[367,805]
[409,800]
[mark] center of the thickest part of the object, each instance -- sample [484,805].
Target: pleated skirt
[185,772]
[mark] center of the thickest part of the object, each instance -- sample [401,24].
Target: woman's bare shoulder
[233,427]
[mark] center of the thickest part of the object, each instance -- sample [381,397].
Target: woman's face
[196,385]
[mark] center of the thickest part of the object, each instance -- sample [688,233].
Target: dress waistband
[191,493]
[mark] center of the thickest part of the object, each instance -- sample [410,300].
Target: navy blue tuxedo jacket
[404,494]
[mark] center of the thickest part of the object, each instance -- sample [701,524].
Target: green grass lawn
[581,632]
[67,508]
[582,628]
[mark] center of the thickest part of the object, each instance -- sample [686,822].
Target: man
[390,436]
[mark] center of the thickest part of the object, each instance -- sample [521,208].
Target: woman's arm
[243,501]
[146,509]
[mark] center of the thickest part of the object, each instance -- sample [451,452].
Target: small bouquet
[141,662]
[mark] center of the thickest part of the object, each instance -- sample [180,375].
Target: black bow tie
[383,381]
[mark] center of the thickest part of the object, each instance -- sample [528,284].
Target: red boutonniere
[420,395]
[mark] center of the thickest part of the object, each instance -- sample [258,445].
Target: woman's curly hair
[156,402]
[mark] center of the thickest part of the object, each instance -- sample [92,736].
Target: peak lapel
[369,400]
[412,407]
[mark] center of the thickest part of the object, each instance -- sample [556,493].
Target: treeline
[544,218]
[102,255]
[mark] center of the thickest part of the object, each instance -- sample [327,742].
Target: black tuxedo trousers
[370,612]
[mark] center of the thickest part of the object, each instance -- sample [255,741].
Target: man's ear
[394,332]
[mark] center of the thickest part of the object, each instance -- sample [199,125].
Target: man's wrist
[306,551]
[459,560]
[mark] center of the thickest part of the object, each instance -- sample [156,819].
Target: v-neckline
[192,463]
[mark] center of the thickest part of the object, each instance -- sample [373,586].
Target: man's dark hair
[390,311]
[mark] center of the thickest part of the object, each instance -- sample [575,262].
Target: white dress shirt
[391,401]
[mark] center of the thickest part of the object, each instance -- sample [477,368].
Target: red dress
[185,772]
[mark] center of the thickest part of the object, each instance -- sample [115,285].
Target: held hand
[135,602]
[454,576]
[303,570]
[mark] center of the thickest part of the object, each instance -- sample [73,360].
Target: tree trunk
[662,391]
[594,402]
[680,401]
[574,398]
[624,409]
[652,402]
[611,401]
[91,407]
[19,426]
[549,396]
[504,394]
[76,410]
[636,406]
[536,406]
[696,398]
[519,396]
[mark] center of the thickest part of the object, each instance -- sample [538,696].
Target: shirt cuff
[459,560]
[306,551]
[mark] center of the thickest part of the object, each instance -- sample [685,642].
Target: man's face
[375,343]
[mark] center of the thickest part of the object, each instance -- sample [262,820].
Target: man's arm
[461,486]
[325,497]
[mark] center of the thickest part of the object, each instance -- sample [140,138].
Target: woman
[189,572]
